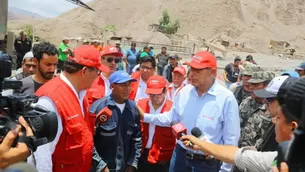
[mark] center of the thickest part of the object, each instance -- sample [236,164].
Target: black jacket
[22,46]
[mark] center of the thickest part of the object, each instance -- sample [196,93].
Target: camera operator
[10,155]
[286,121]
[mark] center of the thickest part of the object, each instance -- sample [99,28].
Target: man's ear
[294,125]
[112,86]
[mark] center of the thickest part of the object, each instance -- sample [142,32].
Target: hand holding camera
[10,155]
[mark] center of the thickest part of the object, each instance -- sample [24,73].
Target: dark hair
[288,115]
[148,59]
[71,67]
[44,48]
[163,48]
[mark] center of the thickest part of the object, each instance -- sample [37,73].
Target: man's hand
[284,168]
[190,138]
[141,112]
[130,168]
[9,155]
[106,169]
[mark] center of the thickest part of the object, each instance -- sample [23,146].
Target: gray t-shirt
[253,161]
[29,86]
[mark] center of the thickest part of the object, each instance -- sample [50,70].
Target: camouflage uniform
[239,92]
[254,117]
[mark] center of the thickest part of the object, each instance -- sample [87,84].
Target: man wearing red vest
[158,142]
[72,148]
[179,75]
[110,57]
[147,69]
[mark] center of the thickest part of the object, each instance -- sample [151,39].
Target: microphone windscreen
[196,132]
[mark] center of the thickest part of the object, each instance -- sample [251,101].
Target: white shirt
[151,128]
[108,90]
[44,153]
[120,106]
[141,91]
[215,113]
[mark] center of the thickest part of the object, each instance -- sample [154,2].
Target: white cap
[28,55]
[272,89]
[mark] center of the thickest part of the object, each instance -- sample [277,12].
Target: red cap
[155,84]
[180,69]
[88,56]
[111,50]
[203,59]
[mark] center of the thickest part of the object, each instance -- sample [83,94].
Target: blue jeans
[180,163]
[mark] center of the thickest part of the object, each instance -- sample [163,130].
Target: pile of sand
[251,22]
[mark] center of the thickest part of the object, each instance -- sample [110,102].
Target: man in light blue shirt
[204,104]
[131,55]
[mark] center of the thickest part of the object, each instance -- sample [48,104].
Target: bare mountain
[20,14]
[253,22]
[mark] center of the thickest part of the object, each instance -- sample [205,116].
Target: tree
[110,28]
[166,26]
[29,31]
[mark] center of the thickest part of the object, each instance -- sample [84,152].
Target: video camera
[42,121]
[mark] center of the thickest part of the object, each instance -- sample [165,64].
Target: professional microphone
[104,115]
[20,167]
[178,129]
[197,132]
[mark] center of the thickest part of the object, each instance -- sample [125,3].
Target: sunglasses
[116,60]
[270,100]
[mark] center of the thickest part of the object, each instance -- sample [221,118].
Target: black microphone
[198,134]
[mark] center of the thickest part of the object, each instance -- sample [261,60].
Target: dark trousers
[19,61]
[60,66]
[160,70]
[145,166]
[181,163]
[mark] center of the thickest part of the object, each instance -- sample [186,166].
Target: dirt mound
[253,22]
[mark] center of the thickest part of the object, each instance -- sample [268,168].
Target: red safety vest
[73,152]
[163,141]
[97,90]
[134,85]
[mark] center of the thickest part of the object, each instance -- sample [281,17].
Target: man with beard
[118,140]
[46,55]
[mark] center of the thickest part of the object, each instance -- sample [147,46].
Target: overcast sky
[46,8]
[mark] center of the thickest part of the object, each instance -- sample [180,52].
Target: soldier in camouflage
[242,90]
[254,117]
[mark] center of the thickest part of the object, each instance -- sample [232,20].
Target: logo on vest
[73,116]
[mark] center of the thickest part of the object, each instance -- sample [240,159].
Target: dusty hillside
[252,22]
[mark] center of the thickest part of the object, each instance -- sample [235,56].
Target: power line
[81,4]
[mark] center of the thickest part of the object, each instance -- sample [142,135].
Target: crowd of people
[116,109]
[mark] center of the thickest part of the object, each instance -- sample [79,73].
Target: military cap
[259,77]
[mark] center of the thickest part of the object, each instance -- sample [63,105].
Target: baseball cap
[88,56]
[249,57]
[173,56]
[295,97]
[291,73]
[273,88]
[111,50]
[203,59]
[155,84]
[119,77]
[28,55]
[301,66]
[237,58]
[250,69]
[259,77]
[181,70]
